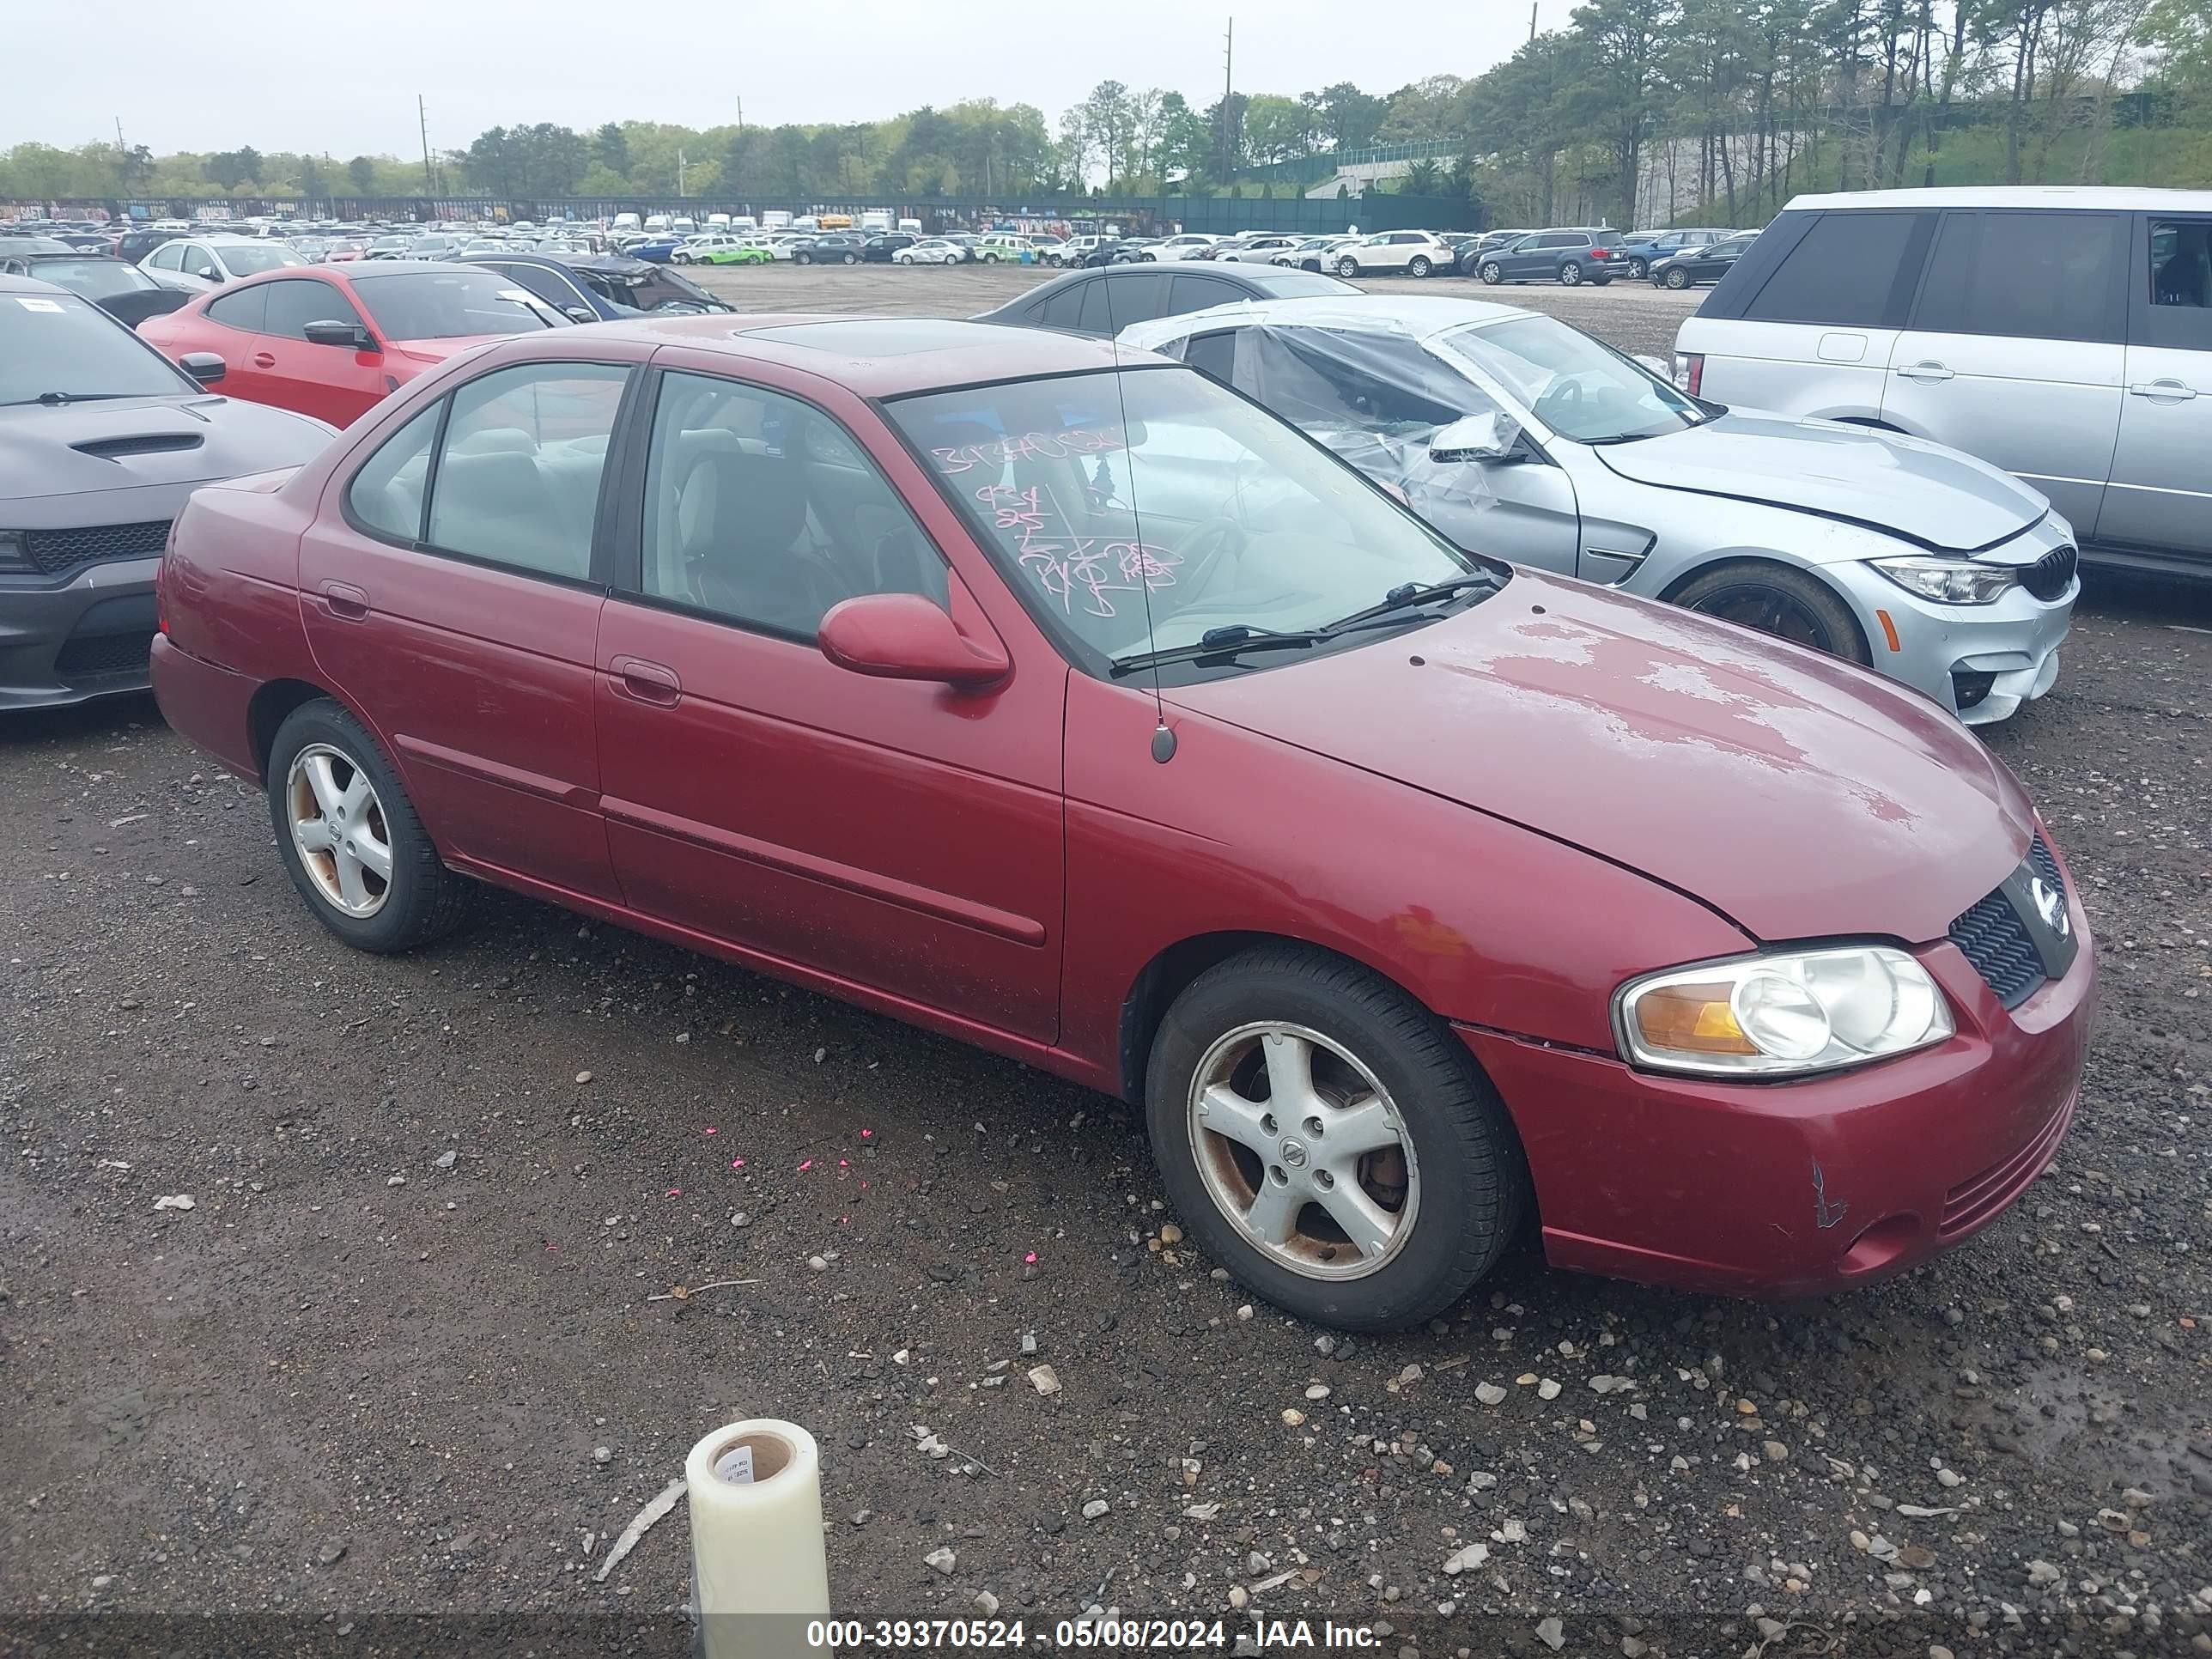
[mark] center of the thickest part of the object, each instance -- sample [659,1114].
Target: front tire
[350,838]
[1780,600]
[1259,1061]
[802,258]
[1492,275]
[1638,269]
[1677,280]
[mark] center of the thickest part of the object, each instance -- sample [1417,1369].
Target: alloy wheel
[339,829]
[1302,1149]
[1771,609]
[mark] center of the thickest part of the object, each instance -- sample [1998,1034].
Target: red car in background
[333,344]
[1047,694]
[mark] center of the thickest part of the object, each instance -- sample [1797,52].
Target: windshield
[1579,387]
[96,279]
[244,259]
[1201,512]
[446,305]
[60,344]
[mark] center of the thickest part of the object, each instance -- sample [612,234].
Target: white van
[912,225]
[740,223]
[718,222]
[656,222]
[776,219]
[2063,334]
[625,221]
[805,221]
[874,220]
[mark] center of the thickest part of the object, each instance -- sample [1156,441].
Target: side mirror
[1476,438]
[205,366]
[903,636]
[351,336]
[580,313]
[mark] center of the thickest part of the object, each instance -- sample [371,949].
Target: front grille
[1995,940]
[2049,577]
[56,552]
[90,656]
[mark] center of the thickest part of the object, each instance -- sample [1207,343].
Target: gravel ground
[416,1347]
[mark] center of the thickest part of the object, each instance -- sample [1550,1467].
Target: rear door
[2016,351]
[333,383]
[451,598]
[2159,498]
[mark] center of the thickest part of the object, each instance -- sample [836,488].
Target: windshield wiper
[55,399]
[1410,597]
[1229,640]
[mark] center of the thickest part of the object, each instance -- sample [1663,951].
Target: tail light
[1601,254]
[162,582]
[1690,372]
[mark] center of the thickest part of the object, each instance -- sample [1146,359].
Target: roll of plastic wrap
[758,1570]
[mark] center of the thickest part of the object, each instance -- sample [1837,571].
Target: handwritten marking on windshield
[1069,567]
[1030,445]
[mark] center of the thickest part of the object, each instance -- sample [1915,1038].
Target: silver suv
[2065,335]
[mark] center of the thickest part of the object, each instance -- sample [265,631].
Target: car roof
[884,356]
[31,285]
[2080,197]
[1419,315]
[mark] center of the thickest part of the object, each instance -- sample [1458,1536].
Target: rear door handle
[647,681]
[2169,391]
[1925,371]
[345,600]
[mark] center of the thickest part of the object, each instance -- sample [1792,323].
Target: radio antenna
[1163,737]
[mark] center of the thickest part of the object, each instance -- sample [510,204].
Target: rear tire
[1419,266]
[1570,275]
[420,900]
[1439,1189]
[1347,268]
[802,258]
[1777,599]
[850,259]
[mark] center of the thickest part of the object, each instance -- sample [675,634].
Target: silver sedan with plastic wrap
[1521,437]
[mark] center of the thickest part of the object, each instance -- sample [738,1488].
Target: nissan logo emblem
[2050,905]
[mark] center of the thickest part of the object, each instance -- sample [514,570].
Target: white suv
[2063,334]
[1416,253]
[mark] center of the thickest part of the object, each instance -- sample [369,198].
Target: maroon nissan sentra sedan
[1063,701]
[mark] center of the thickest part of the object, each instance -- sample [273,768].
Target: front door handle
[1925,371]
[263,360]
[345,600]
[2165,390]
[647,681]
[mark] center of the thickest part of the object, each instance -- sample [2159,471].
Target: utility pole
[680,174]
[1532,19]
[1228,79]
[422,119]
[121,148]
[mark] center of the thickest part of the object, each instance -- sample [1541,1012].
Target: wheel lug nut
[1314,1127]
[1275,1174]
[1324,1179]
[1268,1123]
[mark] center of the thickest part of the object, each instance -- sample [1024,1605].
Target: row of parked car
[664,624]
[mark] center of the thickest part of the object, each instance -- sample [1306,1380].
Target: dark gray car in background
[101,439]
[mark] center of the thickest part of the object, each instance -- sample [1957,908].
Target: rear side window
[243,309]
[1097,317]
[1201,294]
[1135,299]
[2180,310]
[2030,275]
[1063,309]
[386,496]
[1213,356]
[517,476]
[1842,272]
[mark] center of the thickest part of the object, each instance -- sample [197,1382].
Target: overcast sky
[280,75]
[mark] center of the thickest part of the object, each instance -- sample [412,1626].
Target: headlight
[1781,1015]
[1949,582]
[14,560]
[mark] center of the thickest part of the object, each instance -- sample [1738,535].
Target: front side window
[1842,272]
[244,309]
[1199,511]
[166,256]
[1576,386]
[446,305]
[296,301]
[2027,276]
[62,347]
[763,510]
[518,478]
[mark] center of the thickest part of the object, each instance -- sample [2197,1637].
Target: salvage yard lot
[417,1339]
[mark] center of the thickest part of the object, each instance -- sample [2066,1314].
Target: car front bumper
[1783,1190]
[70,641]
[1980,661]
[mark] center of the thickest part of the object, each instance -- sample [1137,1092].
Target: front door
[899,837]
[2015,349]
[2161,494]
[463,627]
[333,383]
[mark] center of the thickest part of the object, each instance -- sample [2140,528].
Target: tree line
[1636,111]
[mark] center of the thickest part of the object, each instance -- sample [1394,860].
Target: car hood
[78,448]
[1923,492]
[1796,795]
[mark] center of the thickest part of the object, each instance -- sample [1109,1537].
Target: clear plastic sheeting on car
[1371,391]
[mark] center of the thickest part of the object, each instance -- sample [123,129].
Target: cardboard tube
[758,1569]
